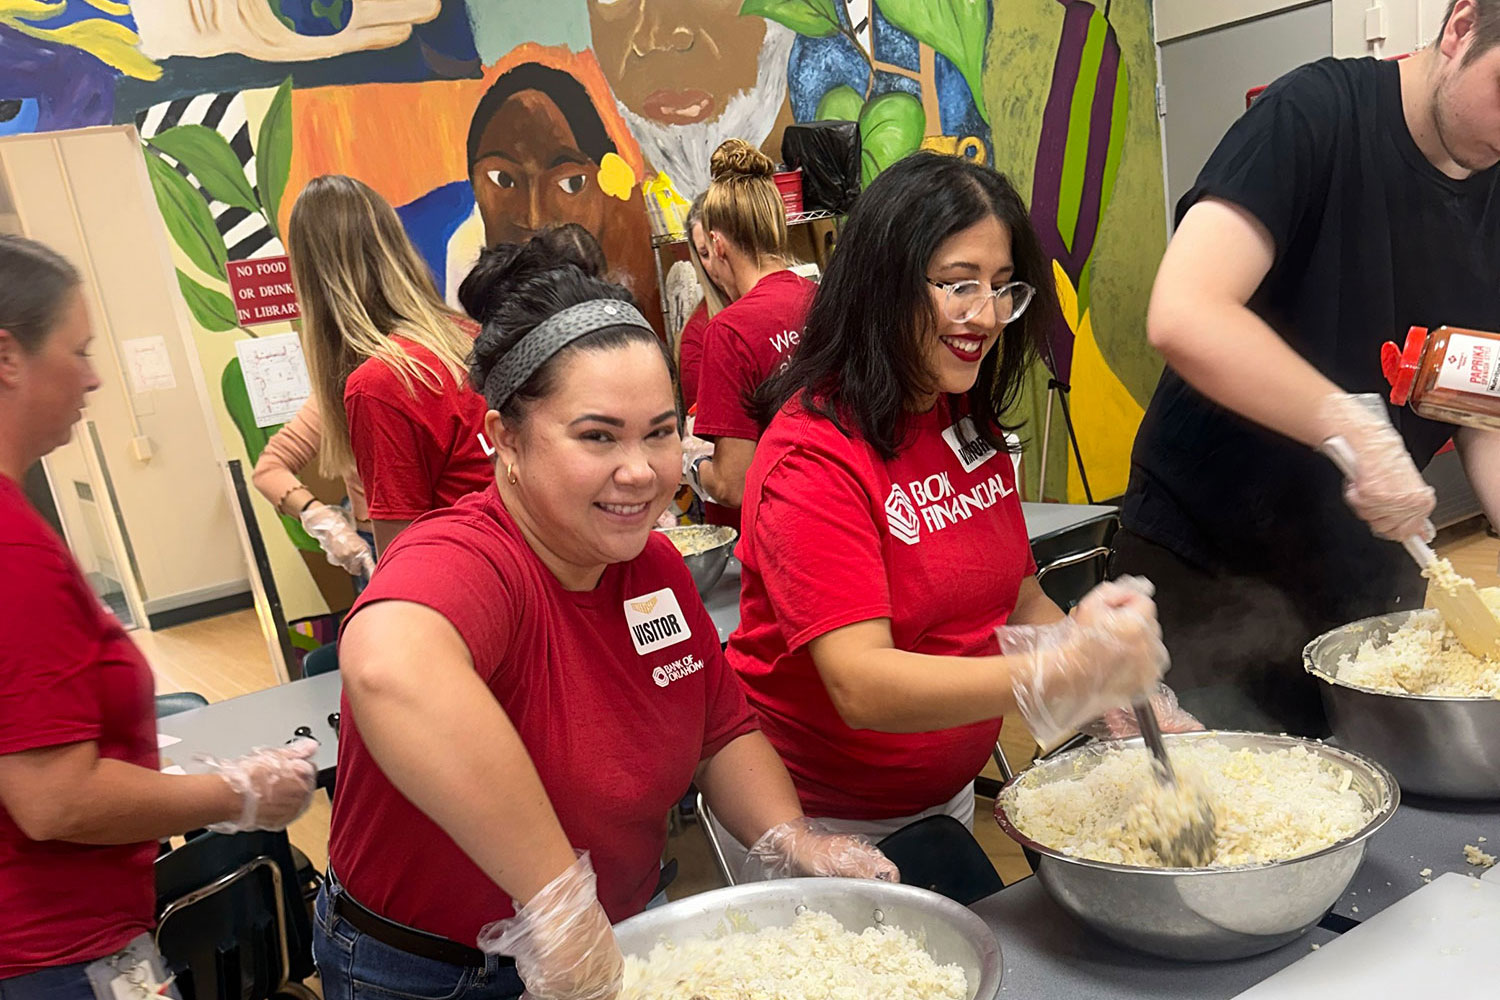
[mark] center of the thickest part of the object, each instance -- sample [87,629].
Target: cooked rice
[1269,805]
[1424,657]
[813,959]
[692,540]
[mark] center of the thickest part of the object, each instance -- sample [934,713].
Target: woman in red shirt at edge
[531,681]
[883,538]
[82,801]
[386,357]
[751,338]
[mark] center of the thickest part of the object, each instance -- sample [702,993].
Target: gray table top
[1424,833]
[1047,955]
[265,718]
[1044,519]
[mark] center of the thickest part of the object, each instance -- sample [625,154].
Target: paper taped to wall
[149,364]
[275,377]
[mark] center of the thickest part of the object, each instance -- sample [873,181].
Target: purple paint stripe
[1047,181]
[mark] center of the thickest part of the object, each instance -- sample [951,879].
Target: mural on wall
[688,74]
[485,120]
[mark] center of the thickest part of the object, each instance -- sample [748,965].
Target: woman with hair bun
[752,338]
[531,681]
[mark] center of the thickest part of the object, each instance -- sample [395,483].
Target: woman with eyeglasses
[883,541]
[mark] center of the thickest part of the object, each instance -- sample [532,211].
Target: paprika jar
[1449,374]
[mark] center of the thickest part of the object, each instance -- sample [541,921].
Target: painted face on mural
[688,74]
[530,173]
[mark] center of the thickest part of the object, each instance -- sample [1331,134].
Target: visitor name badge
[655,621]
[971,450]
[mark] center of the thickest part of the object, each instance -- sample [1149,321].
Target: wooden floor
[226,656]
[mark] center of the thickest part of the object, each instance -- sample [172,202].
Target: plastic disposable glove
[1386,490]
[275,785]
[1120,723]
[562,942]
[804,846]
[341,543]
[1106,655]
[695,451]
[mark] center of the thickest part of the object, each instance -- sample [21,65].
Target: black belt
[409,939]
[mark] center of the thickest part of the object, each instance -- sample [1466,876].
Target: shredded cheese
[815,958]
[1424,657]
[1269,805]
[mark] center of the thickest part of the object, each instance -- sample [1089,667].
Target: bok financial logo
[901,516]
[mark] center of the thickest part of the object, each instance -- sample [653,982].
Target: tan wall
[85,194]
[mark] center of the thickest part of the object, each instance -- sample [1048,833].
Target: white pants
[960,807]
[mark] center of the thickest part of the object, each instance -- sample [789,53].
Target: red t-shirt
[747,342]
[933,540]
[68,674]
[420,450]
[690,355]
[615,734]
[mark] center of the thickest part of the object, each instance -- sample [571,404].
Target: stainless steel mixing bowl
[1434,745]
[707,565]
[1204,914]
[951,933]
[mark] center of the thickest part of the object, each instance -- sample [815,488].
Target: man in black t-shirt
[1355,199]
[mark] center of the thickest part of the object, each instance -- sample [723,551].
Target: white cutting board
[1443,936]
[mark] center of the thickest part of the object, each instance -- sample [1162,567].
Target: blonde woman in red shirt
[386,356]
[883,537]
[751,338]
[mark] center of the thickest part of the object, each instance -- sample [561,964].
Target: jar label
[1470,365]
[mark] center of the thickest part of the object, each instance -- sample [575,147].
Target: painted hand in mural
[203,28]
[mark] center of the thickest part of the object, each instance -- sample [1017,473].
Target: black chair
[323,660]
[939,853]
[229,922]
[178,701]
[1071,562]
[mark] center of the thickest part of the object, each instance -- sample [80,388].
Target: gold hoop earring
[510,473]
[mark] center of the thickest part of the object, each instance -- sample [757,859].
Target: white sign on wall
[275,377]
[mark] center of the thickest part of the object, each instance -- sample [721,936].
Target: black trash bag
[828,153]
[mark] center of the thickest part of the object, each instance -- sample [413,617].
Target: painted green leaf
[957,29]
[890,127]
[237,402]
[812,18]
[273,153]
[207,156]
[187,217]
[212,310]
[843,103]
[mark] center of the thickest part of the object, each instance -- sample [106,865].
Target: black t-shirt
[1371,239]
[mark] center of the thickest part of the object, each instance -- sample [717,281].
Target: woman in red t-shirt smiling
[531,681]
[883,536]
[751,338]
[386,357]
[82,801]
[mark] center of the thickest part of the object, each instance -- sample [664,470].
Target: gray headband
[552,335]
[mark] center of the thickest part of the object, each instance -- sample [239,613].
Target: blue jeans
[355,965]
[72,982]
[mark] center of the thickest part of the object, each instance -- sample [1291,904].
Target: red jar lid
[1399,365]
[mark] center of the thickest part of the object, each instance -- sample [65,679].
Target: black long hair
[863,353]
[515,286]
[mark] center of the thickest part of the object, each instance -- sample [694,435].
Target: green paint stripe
[1076,153]
[1117,126]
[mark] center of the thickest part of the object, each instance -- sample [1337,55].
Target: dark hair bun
[502,269]
[736,157]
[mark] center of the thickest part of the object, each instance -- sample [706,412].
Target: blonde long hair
[743,203]
[359,281]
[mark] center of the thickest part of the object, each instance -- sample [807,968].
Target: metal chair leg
[706,823]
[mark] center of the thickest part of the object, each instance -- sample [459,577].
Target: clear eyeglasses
[963,300]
